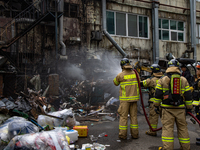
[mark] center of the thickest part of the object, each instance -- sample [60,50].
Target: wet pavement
[144,142]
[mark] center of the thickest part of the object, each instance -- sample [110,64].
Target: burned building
[91,36]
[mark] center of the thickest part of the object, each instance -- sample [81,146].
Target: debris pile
[44,111]
[63,113]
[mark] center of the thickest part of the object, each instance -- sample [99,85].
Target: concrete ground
[145,142]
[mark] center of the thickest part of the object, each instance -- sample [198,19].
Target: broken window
[70,10]
[126,24]
[171,30]
[66,10]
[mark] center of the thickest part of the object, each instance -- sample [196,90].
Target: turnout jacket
[129,90]
[151,83]
[163,86]
[196,93]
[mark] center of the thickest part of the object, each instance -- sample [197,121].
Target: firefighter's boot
[151,133]
[198,143]
[198,139]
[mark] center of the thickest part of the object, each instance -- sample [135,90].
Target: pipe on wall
[193,27]
[63,46]
[13,46]
[123,53]
[155,6]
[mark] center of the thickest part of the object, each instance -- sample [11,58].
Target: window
[171,30]
[198,34]
[70,10]
[126,24]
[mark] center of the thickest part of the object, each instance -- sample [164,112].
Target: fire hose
[145,111]
[145,114]
[197,120]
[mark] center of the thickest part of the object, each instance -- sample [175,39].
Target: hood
[173,69]
[158,74]
[127,67]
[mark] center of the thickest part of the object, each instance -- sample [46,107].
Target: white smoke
[74,72]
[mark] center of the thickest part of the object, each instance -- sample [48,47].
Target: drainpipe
[106,33]
[153,35]
[12,48]
[63,46]
[193,27]
[155,6]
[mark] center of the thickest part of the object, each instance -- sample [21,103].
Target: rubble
[76,103]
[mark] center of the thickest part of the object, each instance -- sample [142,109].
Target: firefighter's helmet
[173,63]
[155,68]
[125,61]
[198,65]
[183,66]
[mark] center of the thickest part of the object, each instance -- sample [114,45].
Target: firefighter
[186,73]
[128,96]
[196,96]
[196,87]
[151,83]
[170,91]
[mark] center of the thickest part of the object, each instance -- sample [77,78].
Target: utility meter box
[96,35]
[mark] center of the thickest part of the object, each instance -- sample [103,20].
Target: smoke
[74,72]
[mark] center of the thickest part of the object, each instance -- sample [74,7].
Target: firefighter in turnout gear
[128,96]
[196,87]
[151,84]
[173,94]
[196,96]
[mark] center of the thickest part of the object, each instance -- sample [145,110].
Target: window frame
[197,32]
[172,30]
[126,13]
[69,10]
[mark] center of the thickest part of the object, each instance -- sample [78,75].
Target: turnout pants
[153,117]
[126,108]
[169,117]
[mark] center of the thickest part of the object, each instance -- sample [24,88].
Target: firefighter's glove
[191,88]
[157,110]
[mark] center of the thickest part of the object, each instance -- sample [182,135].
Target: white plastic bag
[21,127]
[46,140]
[66,114]
[4,136]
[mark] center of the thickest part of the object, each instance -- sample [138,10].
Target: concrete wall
[90,19]
[176,48]
[145,45]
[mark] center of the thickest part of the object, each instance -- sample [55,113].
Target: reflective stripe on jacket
[151,83]
[163,86]
[129,90]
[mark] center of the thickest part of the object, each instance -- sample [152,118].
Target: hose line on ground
[197,120]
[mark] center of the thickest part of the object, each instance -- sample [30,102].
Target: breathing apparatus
[173,62]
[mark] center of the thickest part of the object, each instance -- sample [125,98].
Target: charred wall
[81,17]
